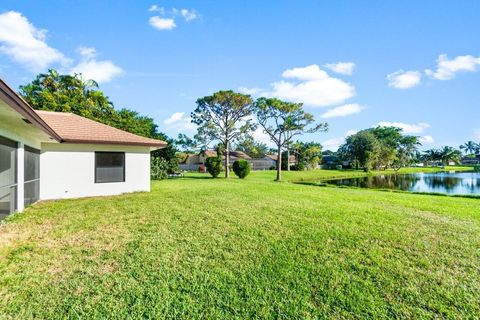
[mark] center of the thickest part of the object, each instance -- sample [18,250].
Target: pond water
[452,183]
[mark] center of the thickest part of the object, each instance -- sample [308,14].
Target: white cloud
[314,87]
[334,143]
[312,72]
[250,91]
[166,18]
[87,52]
[341,67]
[100,71]
[342,111]
[260,136]
[92,69]
[179,121]
[404,79]
[176,117]
[426,140]
[407,128]
[447,69]
[154,8]
[162,23]
[24,43]
[188,15]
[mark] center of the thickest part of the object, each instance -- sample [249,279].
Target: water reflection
[465,183]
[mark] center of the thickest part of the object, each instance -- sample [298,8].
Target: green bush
[241,168]
[159,168]
[214,166]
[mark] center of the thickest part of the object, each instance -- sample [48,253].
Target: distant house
[52,155]
[195,162]
[471,160]
[292,159]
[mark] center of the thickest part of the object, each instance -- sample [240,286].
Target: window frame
[110,152]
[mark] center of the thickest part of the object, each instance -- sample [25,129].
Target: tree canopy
[308,154]
[224,117]
[251,147]
[53,91]
[282,121]
[380,147]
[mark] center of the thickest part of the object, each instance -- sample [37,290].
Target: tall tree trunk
[279,164]
[288,158]
[227,161]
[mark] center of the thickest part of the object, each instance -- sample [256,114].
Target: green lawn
[202,248]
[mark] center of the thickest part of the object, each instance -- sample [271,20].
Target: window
[109,167]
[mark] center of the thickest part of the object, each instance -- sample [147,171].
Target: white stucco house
[50,155]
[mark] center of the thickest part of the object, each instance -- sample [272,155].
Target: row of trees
[445,155]
[229,117]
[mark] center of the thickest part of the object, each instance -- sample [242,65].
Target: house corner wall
[68,171]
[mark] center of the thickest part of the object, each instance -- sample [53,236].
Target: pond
[452,183]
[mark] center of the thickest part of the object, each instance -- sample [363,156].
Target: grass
[202,248]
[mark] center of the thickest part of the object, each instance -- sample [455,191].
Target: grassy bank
[202,248]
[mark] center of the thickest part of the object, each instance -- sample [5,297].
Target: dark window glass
[109,167]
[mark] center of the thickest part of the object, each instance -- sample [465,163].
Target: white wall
[68,171]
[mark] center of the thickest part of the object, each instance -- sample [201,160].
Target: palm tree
[448,154]
[470,147]
[432,155]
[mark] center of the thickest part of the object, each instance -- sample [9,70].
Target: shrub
[214,166]
[241,168]
[159,168]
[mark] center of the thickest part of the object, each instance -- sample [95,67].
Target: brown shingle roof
[233,154]
[76,129]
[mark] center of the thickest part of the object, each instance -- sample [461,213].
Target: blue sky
[355,64]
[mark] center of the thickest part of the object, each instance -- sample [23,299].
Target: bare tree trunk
[288,158]
[227,161]
[279,164]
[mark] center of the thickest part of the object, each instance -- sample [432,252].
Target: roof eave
[159,145]
[22,107]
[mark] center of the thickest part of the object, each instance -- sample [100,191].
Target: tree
[407,151]
[132,121]
[168,154]
[53,91]
[470,147]
[431,155]
[362,148]
[282,121]
[223,116]
[448,154]
[308,154]
[187,144]
[251,147]
[395,148]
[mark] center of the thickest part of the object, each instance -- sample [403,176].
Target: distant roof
[76,129]
[233,154]
[274,157]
